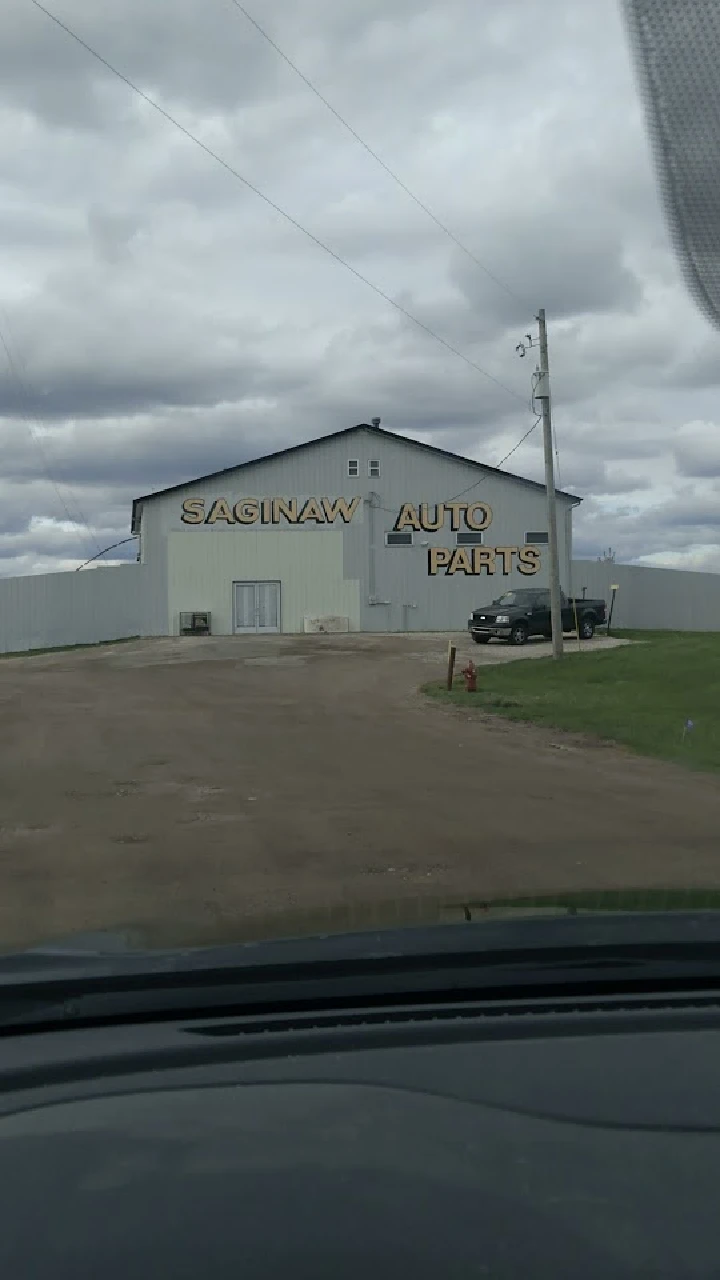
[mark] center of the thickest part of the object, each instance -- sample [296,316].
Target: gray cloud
[193,58]
[163,322]
[697,450]
[682,528]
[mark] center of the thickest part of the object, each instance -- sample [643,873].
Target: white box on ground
[330,625]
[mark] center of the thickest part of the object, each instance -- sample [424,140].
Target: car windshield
[282,296]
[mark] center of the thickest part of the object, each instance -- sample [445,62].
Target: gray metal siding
[47,610]
[317,472]
[154,562]
[396,578]
[653,599]
[408,598]
[310,571]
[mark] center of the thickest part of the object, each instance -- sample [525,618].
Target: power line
[112,547]
[378,159]
[36,441]
[499,464]
[487,474]
[271,203]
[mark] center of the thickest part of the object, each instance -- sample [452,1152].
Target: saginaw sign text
[412,517]
[269,511]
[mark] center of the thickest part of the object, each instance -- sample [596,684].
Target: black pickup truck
[517,615]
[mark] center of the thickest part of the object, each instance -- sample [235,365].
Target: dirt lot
[185,784]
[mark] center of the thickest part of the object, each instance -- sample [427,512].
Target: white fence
[47,610]
[656,599]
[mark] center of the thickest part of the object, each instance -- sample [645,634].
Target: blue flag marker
[687,727]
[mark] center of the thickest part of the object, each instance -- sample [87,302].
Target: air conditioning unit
[195,624]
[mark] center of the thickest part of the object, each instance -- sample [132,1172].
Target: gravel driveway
[194,788]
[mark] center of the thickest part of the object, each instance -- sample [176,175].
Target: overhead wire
[304,230]
[377,158]
[420,203]
[499,464]
[112,547]
[25,397]
[491,471]
[214,155]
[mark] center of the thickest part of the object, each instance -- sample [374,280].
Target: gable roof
[337,435]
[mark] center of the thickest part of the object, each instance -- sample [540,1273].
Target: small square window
[353,467]
[538,539]
[469,539]
[374,469]
[398,539]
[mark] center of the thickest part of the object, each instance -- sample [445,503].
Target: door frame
[255,583]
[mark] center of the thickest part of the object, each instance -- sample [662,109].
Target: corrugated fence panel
[656,599]
[47,610]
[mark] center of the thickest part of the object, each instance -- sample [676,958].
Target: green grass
[66,648]
[639,696]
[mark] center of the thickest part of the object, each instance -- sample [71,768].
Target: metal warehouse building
[361,530]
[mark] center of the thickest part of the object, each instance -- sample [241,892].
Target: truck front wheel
[519,633]
[587,628]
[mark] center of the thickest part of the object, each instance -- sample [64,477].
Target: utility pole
[542,393]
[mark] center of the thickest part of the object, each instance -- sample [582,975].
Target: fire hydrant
[470,674]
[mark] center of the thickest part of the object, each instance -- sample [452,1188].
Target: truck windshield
[516,597]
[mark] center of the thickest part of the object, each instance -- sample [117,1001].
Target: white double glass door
[256,606]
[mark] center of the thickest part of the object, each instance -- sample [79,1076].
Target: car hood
[387,912]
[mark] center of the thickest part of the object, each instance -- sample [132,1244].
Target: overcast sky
[161,321]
